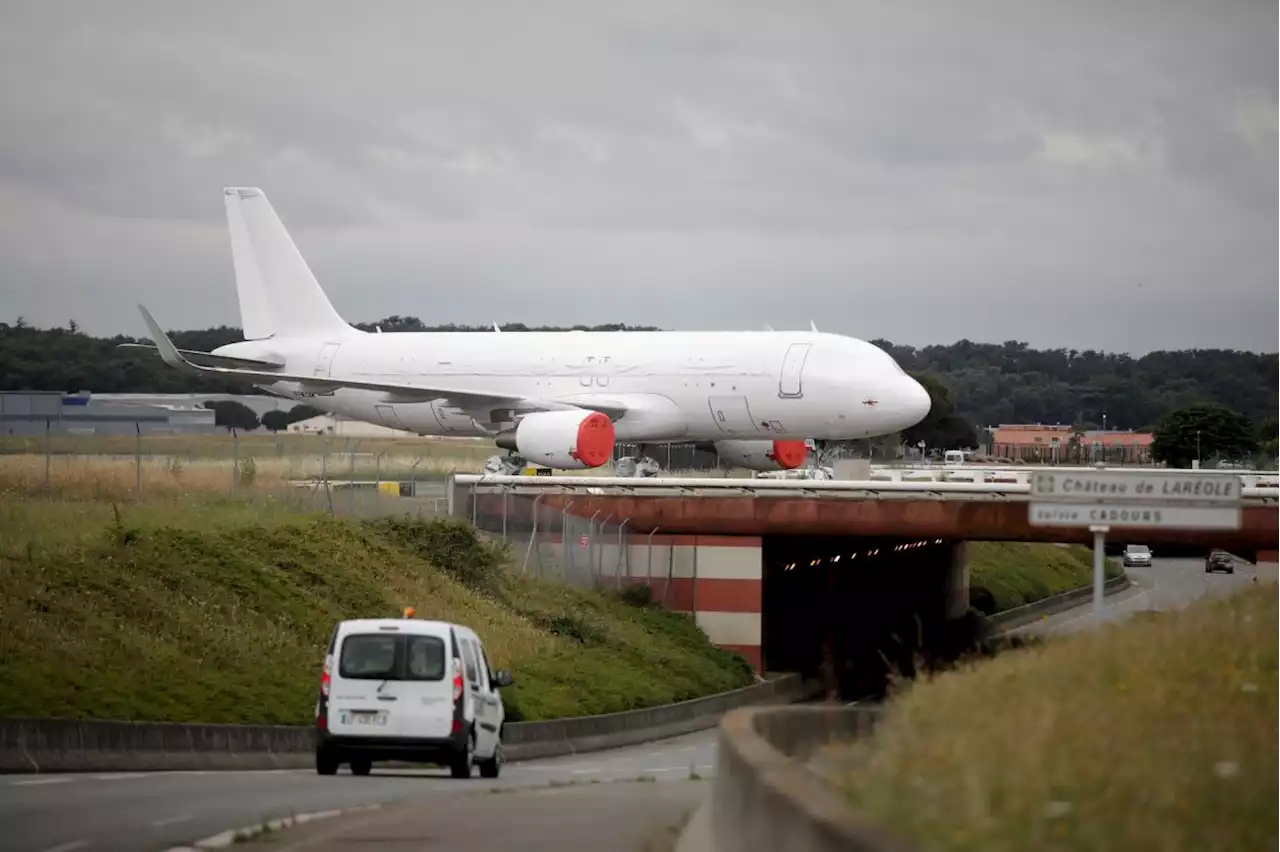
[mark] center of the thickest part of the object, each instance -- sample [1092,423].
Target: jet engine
[568,440]
[763,455]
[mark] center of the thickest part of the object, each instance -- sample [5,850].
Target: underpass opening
[854,611]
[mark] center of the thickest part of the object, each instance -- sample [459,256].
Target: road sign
[1051,514]
[1127,486]
[1101,499]
[584,541]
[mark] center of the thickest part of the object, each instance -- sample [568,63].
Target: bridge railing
[464,487]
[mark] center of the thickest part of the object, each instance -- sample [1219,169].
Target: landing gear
[507,464]
[637,466]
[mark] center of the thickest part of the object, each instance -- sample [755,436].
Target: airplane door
[324,361]
[731,415]
[388,417]
[792,370]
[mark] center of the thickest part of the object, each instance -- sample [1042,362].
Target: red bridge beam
[977,520]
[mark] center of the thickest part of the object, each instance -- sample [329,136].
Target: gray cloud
[1084,175]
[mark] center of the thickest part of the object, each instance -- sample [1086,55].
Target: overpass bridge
[745,556]
[952,509]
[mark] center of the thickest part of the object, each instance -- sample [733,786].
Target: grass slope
[1154,734]
[1017,573]
[217,611]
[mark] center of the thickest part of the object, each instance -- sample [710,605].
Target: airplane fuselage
[676,386]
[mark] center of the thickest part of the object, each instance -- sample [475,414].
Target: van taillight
[324,679]
[457,680]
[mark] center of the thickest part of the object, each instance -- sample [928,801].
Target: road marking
[585,771]
[38,782]
[120,776]
[161,823]
[67,847]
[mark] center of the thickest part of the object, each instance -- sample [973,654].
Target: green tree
[230,414]
[1203,430]
[276,421]
[941,427]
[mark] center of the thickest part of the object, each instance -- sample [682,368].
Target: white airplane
[557,399]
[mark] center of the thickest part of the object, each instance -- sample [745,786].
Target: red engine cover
[789,454]
[594,446]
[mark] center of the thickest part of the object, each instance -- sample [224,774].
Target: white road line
[174,820]
[586,771]
[38,782]
[120,776]
[67,847]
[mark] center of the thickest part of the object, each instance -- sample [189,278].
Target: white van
[409,690]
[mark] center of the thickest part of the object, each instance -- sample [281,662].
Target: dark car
[1219,560]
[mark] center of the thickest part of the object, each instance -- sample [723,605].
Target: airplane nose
[915,402]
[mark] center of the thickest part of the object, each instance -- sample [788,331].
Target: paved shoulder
[626,816]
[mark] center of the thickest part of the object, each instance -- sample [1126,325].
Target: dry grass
[1157,734]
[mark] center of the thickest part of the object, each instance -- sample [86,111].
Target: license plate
[370,717]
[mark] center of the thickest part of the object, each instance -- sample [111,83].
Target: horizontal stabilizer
[208,359]
[400,391]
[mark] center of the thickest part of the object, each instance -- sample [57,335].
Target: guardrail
[99,745]
[827,488]
[1011,619]
[765,798]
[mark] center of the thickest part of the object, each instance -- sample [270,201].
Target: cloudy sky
[1078,174]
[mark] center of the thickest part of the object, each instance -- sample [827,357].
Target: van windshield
[379,656]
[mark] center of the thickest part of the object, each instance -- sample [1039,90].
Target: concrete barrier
[1010,619]
[764,797]
[98,745]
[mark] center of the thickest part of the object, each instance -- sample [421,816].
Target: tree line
[978,384]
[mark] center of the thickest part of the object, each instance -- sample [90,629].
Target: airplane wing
[208,359]
[396,392]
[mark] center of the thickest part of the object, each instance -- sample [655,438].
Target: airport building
[1057,443]
[37,413]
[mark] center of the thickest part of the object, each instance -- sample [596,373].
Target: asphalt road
[1168,584]
[616,817]
[139,812]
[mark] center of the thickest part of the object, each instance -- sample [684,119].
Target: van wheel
[492,767]
[326,762]
[460,766]
[361,765]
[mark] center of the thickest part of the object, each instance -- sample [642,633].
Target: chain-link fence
[342,476]
[554,543]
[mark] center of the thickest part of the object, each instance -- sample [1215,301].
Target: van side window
[487,666]
[482,666]
[469,660]
[424,658]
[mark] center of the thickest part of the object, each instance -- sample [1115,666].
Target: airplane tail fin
[279,295]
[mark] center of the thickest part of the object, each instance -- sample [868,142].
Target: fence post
[566,552]
[137,462]
[324,476]
[649,572]
[591,544]
[599,572]
[533,534]
[48,453]
[506,493]
[624,550]
[235,464]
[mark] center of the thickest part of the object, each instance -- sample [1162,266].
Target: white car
[410,690]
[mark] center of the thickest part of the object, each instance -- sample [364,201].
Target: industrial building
[29,413]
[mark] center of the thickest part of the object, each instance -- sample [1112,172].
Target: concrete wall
[717,579]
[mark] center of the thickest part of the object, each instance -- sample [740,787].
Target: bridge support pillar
[719,579]
[1267,567]
[957,590]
